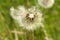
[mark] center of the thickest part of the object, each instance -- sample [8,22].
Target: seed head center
[31,16]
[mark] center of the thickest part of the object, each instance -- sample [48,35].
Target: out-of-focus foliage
[51,20]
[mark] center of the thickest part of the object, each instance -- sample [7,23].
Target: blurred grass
[51,20]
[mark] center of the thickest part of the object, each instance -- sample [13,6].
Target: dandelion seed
[29,19]
[46,3]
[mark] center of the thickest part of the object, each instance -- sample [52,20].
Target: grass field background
[51,20]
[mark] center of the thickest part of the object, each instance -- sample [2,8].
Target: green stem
[44,30]
[28,3]
[30,35]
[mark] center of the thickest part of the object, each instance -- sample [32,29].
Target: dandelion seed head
[29,19]
[46,3]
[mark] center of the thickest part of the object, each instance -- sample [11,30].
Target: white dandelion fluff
[29,19]
[16,13]
[46,3]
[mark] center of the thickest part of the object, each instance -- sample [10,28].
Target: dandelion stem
[46,36]
[27,3]
[31,35]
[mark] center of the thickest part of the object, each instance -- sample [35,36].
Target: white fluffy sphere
[24,20]
[46,3]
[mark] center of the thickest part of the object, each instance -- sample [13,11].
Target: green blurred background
[51,20]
